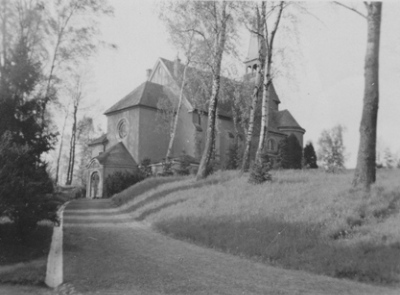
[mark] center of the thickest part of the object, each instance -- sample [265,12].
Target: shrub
[232,161]
[119,181]
[309,156]
[145,168]
[184,165]
[260,170]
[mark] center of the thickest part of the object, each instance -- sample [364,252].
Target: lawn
[307,220]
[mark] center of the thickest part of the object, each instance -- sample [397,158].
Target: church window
[122,128]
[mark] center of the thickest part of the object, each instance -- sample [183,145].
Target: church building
[134,133]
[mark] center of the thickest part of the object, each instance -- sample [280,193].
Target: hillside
[306,220]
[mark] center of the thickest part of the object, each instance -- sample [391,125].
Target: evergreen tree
[310,157]
[295,152]
[232,160]
[24,181]
[282,160]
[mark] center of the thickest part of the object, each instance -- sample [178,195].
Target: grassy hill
[306,220]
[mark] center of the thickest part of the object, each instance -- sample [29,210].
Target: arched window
[122,128]
[271,144]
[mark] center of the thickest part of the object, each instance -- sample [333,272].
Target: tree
[24,181]
[282,160]
[331,149]
[73,28]
[310,157]
[295,152]
[365,172]
[258,30]
[388,157]
[268,39]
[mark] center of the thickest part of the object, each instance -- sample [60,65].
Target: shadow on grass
[13,249]
[157,209]
[161,194]
[293,246]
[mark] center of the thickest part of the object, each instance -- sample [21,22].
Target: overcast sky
[327,67]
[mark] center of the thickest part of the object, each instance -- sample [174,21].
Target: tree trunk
[71,162]
[265,109]
[61,146]
[365,170]
[257,86]
[212,109]
[176,117]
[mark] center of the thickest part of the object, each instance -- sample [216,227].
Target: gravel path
[106,252]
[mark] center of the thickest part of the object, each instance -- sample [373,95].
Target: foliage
[166,167]
[331,149]
[25,182]
[120,181]
[309,156]
[260,171]
[233,158]
[145,168]
[184,164]
[289,153]
[295,152]
[388,157]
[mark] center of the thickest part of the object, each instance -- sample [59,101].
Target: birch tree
[268,39]
[365,172]
[258,31]
[212,24]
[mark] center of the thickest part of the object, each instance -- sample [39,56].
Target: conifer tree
[310,157]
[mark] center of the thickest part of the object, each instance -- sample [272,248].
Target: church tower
[252,62]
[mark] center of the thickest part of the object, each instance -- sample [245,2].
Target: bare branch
[350,8]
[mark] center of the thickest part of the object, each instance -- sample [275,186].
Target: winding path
[105,252]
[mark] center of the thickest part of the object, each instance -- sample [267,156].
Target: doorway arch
[94,185]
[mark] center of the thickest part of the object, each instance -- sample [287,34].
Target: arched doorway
[94,185]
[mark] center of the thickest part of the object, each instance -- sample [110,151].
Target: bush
[145,168]
[24,186]
[120,181]
[166,168]
[260,170]
[233,159]
[184,165]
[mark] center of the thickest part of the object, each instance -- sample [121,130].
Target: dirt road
[105,252]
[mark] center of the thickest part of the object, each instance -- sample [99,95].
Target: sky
[326,81]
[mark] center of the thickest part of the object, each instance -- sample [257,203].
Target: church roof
[100,140]
[146,94]
[200,103]
[284,119]
[117,156]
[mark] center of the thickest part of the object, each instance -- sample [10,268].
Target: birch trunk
[212,109]
[71,162]
[61,147]
[365,172]
[265,109]
[257,86]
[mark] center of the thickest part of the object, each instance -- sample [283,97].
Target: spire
[251,62]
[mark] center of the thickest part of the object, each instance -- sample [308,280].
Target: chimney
[176,66]
[148,74]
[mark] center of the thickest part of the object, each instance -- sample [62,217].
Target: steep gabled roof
[146,94]
[117,156]
[100,140]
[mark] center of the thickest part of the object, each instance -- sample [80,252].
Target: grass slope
[306,220]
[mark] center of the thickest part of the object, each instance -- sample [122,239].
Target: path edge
[54,270]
